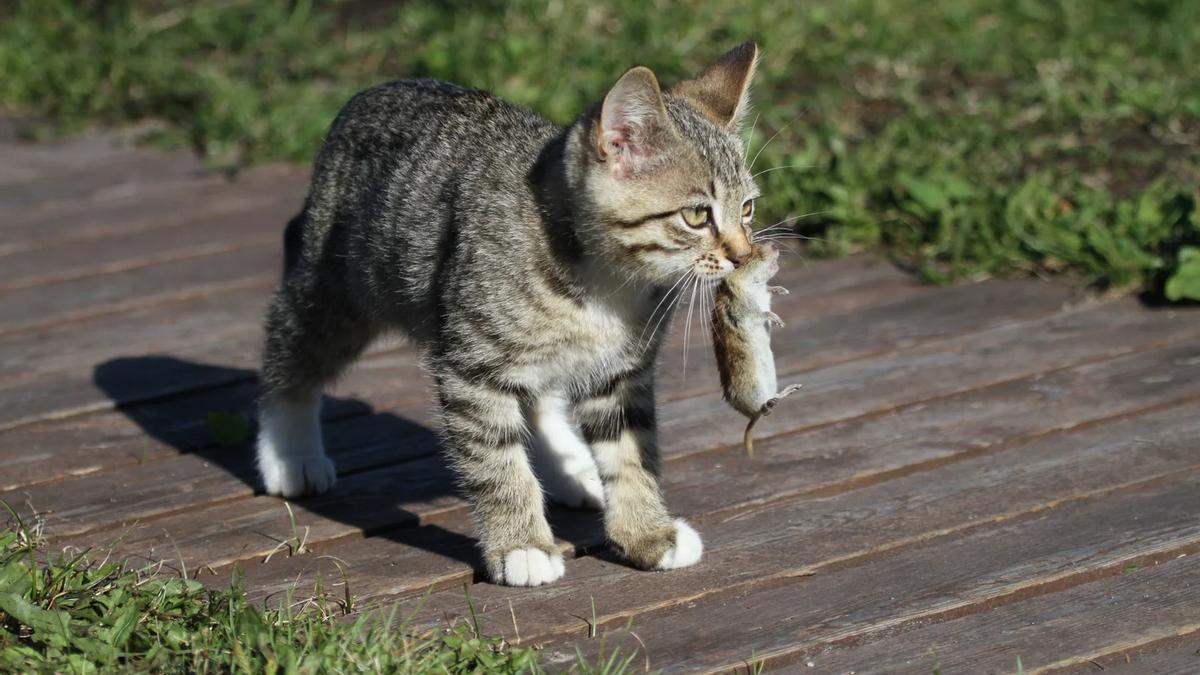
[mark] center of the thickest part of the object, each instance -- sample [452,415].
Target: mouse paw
[777,290]
[769,406]
[788,391]
[773,319]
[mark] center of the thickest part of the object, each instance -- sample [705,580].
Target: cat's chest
[590,341]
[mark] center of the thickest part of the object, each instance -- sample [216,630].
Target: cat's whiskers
[687,328]
[788,246]
[786,166]
[757,235]
[773,136]
[796,217]
[649,341]
[778,236]
[670,309]
[750,142]
[632,275]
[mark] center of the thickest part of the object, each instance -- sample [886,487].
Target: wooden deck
[971,474]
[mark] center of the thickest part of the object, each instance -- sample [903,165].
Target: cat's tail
[293,239]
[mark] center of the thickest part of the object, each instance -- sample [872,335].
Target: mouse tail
[748,436]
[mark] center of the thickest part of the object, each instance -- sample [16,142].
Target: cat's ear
[722,91]
[633,129]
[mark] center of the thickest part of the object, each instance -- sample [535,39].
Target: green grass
[74,614]
[968,138]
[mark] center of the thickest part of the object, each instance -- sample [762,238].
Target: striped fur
[530,264]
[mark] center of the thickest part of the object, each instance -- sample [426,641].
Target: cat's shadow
[209,420]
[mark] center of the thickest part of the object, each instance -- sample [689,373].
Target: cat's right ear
[633,128]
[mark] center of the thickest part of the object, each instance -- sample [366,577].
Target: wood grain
[179,203]
[852,527]
[782,622]
[1075,630]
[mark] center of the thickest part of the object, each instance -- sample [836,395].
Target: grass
[969,138]
[72,614]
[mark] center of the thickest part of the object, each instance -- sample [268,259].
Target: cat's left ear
[722,91]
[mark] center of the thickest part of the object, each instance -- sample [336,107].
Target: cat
[533,266]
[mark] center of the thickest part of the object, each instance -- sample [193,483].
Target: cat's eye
[694,217]
[747,209]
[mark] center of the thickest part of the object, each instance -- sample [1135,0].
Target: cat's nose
[738,260]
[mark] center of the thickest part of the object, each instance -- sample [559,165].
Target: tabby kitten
[532,265]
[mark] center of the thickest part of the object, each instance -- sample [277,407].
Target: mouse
[741,332]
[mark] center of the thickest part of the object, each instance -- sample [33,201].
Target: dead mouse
[741,328]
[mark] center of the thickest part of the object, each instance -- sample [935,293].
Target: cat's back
[432,122]
[414,173]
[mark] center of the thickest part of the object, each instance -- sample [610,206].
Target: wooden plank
[125,173]
[172,205]
[979,488]
[53,373]
[239,315]
[783,621]
[48,361]
[1178,655]
[36,307]
[849,392]
[56,449]
[1085,629]
[929,435]
[22,161]
[90,443]
[221,485]
[922,373]
[846,528]
[816,338]
[252,219]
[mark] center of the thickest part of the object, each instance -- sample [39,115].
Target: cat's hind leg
[562,459]
[311,336]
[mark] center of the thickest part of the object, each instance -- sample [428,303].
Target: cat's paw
[531,567]
[295,475]
[583,490]
[687,548]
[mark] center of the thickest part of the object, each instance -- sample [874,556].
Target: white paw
[583,490]
[291,458]
[532,567]
[296,476]
[687,548]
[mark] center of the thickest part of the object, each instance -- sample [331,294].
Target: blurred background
[966,139]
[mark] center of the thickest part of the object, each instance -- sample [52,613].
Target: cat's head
[665,172]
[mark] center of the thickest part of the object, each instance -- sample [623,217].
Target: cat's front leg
[619,423]
[485,436]
[562,459]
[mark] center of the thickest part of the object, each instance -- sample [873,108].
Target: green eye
[748,209]
[694,217]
